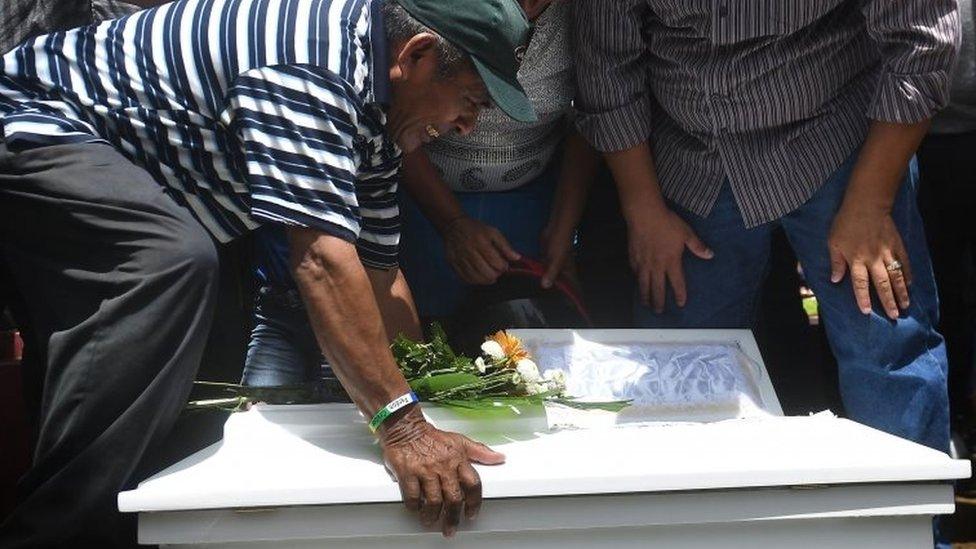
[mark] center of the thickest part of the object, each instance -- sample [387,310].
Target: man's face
[426,105]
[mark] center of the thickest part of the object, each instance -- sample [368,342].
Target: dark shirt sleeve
[613,98]
[918,40]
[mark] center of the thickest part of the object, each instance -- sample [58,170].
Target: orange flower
[511,345]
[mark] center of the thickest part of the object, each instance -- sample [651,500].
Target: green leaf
[429,386]
[417,359]
[495,408]
[610,406]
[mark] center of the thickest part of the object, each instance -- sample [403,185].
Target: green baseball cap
[494,33]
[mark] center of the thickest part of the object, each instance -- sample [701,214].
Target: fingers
[468,273]
[493,256]
[891,287]
[553,268]
[479,453]
[882,286]
[899,280]
[478,253]
[471,484]
[657,290]
[838,266]
[501,243]
[462,266]
[697,247]
[902,255]
[410,490]
[430,509]
[862,287]
[900,286]
[489,264]
[453,500]
[644,283]
[677,277]
[437,477]
[480,271]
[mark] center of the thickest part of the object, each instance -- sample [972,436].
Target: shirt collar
[380,53]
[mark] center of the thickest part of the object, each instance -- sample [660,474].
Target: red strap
[534,268]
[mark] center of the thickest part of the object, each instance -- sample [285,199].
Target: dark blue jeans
[282,350]
[892,372]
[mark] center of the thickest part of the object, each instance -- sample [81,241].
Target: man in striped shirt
[129,146]
[803,113]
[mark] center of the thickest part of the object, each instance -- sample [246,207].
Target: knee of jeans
[874,342]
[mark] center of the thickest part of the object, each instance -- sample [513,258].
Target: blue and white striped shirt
[250,111]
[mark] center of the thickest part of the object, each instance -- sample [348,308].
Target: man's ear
[418,55]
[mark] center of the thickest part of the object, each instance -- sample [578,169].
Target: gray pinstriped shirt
[770,95]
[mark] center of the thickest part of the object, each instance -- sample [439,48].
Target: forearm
[579,165]
[395,303]
[881,164]
[432,196]
[345,318]
[636,179]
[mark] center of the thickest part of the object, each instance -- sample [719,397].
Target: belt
[281,296]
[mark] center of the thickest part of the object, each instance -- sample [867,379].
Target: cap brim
[508,96]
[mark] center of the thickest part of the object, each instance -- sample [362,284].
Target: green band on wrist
[391,408]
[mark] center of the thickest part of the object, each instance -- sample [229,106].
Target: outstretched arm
[432,467]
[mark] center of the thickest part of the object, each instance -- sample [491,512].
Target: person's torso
[155,85]
[752,65]
[502,154]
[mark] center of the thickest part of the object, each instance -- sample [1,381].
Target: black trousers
[119,285]
[947,199]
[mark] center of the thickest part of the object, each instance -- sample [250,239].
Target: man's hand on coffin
[433,469]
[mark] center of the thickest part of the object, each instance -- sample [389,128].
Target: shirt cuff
[274,213]
[909,98]
[617,129]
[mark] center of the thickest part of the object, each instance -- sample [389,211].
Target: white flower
[479,363]
[528,370]
[493,350]
[555,376]
[536,388]
[555,379]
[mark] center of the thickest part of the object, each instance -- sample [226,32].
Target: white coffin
[311,476]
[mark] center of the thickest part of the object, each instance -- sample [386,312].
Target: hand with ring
[865,241]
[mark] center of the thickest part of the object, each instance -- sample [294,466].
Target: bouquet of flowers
[503,380]
[503,377]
